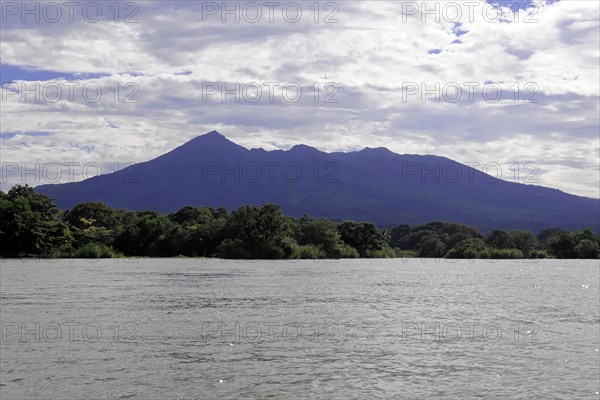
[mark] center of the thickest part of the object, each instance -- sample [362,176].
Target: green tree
[455,239]
[411,241]
[198,231]
[363,236]
[397,233]
[93,222]
[562,246]
[469,248]
[102,215]
[91,233]
[140,230]
[584,234]
[525,241]
[499,240]
[188,216]
[546,235]
[587,248]
[431,246]
[448,228]
[262,232]
[320,233]
[30,224]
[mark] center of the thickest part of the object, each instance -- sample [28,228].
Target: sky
[94,86]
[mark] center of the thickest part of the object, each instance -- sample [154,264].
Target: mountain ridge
[373,184]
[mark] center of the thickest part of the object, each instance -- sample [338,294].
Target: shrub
[381,253]
[406,253]
[505,253]
[431,246]
[233,248]
[587,249]
[562,246]
[538,254]
[271,252]
[343,250]
[308,251]
[94,250]
[469,248]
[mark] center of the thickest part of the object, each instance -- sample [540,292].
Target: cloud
[153,75]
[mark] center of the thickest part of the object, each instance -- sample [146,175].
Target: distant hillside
[373,185]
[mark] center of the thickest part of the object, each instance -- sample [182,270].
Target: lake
[198,328]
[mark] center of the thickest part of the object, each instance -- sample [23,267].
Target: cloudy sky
[106,84]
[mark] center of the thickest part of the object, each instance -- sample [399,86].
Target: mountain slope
[374,185]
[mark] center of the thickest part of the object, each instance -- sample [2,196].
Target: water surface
[194,328]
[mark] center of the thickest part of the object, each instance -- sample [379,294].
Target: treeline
[32,226]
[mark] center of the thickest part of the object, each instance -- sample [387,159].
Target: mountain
[373,184]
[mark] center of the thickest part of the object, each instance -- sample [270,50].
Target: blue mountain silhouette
[373,184]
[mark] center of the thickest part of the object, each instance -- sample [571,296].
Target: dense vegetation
[32,226]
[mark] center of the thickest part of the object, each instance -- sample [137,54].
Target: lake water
[193,328]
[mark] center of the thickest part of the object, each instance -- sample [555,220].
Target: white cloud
[370,52]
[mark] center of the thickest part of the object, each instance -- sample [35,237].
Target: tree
[455,239]
[410,241]
[523,240]
[448,228]
[469,248]
[233,248]
[93,222]
[587,249]
[90,232]
[397,233]
[562,246]
[189,215]
[140,230]
[321,233]
[431,246]
[102,215]
[499,240]
[547,234]
[199,231]
[262,232]
[584,234]
[30,225]
[363,236]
